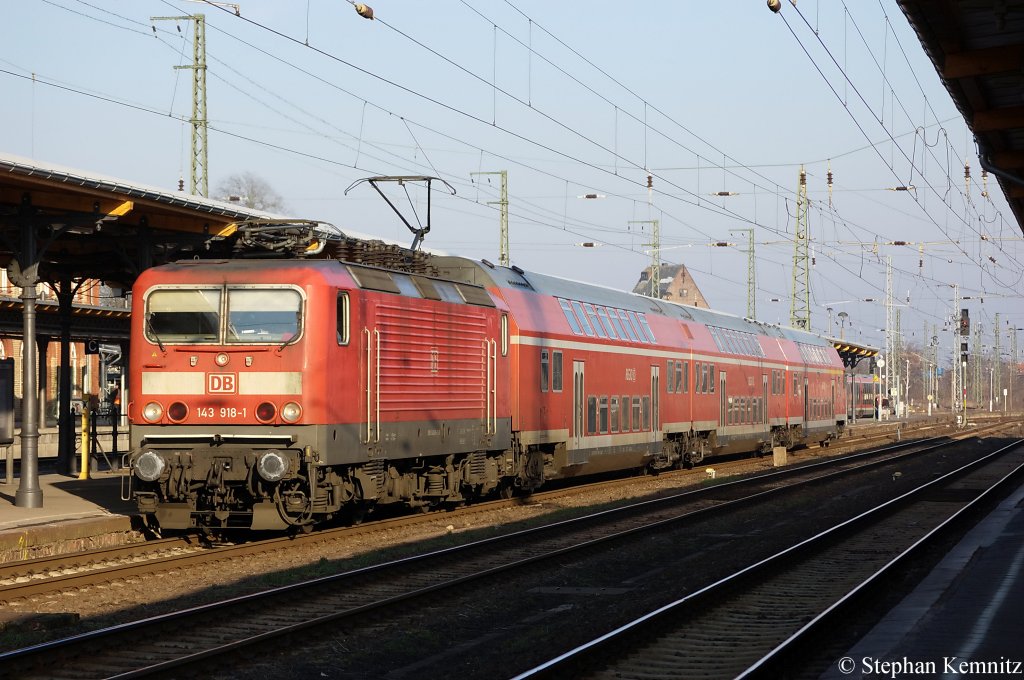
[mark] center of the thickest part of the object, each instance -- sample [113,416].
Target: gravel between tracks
[136,598]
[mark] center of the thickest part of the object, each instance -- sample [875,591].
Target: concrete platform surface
[75,514]
[964,620]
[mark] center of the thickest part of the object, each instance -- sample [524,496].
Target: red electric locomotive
[278,393]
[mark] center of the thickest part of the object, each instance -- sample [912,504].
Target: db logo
[221,383]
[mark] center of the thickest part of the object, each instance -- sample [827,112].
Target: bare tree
[252,191]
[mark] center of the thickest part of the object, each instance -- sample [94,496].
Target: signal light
[965,322]
[265,412]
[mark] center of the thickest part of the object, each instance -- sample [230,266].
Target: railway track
[197,636]
[101,566]
[760,620]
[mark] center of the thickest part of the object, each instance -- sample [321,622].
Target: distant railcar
[270,394]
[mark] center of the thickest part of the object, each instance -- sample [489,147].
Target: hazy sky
[570,98]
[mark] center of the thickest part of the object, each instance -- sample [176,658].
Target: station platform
[76,514]
[963,620]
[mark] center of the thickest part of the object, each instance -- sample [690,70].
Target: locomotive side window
[343,321]
[263,315]
[544,370]
[556,371]
[504,335]
[183,315]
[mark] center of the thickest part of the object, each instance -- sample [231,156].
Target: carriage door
[764,398]
[579,403]
[723,399]
[807,401]
[655,403]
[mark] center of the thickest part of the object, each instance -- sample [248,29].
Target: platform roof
[91,226]
[977,47]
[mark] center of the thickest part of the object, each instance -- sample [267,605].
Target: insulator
[365,11]
[650,181]
[967,171]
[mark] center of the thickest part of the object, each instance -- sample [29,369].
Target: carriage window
[647,413]
[636,414]
[574,324]
[591,415]
[627,326]
[613,315]
[263,315]
[646,328]
[679,376]
[686,376]
[603,315]
[582,316]
[615,414]
[604,415]
[556,371]
[343,322]
[592,316]
[670,386]
[178,316]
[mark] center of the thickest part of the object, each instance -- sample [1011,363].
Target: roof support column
[65,423]
[24,273]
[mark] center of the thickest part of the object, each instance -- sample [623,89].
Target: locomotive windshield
[251,315]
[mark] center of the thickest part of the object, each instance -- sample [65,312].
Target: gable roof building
[676,285]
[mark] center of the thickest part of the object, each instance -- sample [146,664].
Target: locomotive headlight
[152,411]
[272,466]
[149,466]
[221,359]
[290,412]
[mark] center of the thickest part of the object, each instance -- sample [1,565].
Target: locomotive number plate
[221,383]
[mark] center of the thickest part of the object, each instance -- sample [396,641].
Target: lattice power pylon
[200,185]
[800,305]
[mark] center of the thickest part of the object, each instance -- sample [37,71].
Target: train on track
[278,393]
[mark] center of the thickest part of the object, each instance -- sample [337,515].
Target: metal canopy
[90,226]
[977,47]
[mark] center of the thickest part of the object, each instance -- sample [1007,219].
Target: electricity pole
[958,391]
[997,382]
[800,304]
[890,340]
[751,275]
[200,185]
[655,246]
[503,254]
